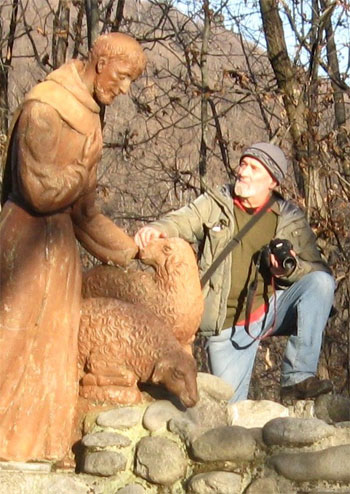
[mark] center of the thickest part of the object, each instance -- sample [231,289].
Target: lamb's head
[177,371]
[169,255]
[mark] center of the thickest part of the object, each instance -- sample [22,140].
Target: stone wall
[254,447]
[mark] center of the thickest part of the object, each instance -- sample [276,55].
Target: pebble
[215,483]
[333,409]
[104,439]
[263,486]
[132,489]
[288,431]
[160,460]
[227,443]
[104,463]
[158,414]
[331,464]
[120,418]
[250,413]
[215,387]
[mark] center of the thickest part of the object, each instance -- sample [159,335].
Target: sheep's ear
[172,262]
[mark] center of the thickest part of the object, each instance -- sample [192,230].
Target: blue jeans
[300,311]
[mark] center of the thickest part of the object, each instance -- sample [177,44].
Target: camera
[281,248]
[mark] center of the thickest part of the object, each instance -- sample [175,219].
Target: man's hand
[146,234]
[277,269]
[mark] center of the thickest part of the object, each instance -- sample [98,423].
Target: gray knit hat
[271,156]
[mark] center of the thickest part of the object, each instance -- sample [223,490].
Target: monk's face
[113,77]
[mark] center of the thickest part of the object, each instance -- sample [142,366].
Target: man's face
[113,77]
[254,182]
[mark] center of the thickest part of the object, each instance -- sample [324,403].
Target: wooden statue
[49,201]
[121,344]
[138,326]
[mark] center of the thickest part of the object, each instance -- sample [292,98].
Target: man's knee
[320,283]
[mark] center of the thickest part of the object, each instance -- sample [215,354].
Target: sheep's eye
[178,374]
[167,249]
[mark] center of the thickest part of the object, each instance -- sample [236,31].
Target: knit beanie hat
[271,156]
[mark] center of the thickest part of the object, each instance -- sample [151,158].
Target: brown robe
[55,147]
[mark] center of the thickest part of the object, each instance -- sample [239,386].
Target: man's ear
[273,184]
[101,63]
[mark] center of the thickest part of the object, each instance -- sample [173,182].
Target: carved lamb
[172,293]
[121,343]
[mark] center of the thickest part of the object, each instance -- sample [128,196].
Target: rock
[342,425]
[208,412]
[224,444]
[332,408]
[302,409]
[44,483]
[25,466]
[260,486]
[104,463]
[187,430]
[215,483]
[160,460]
[331,464]
[66,485]
[289,431]
[132,489]
[120,418]
[250,413]
[214,386]
[158,414]
[104,439]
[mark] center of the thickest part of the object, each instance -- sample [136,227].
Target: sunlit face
[254,183]
[113,77]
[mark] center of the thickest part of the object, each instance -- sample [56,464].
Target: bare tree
[92,19]
[60,33]
[7,40]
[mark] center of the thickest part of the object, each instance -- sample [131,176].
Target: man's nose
[244,170]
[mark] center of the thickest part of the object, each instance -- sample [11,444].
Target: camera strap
[249,304]
[235,241]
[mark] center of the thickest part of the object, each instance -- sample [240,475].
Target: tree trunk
[92,19]
[339,102]
[60,33]
[118,16]
[4,71]
[77,28]
[204,96]
[314,190]
[289,85]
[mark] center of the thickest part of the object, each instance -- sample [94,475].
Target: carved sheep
[121,344]
[173,293]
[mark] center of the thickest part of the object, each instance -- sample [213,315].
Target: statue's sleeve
[99,235]
[47,182]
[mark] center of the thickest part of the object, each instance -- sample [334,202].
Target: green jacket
[209,223]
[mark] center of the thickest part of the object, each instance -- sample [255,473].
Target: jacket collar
[224,195]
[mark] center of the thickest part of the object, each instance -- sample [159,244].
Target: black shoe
[310,388]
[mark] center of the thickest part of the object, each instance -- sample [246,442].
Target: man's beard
[244,190]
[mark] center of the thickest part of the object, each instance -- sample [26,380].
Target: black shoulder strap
[235,240]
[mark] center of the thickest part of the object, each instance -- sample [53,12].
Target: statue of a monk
[49,201]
